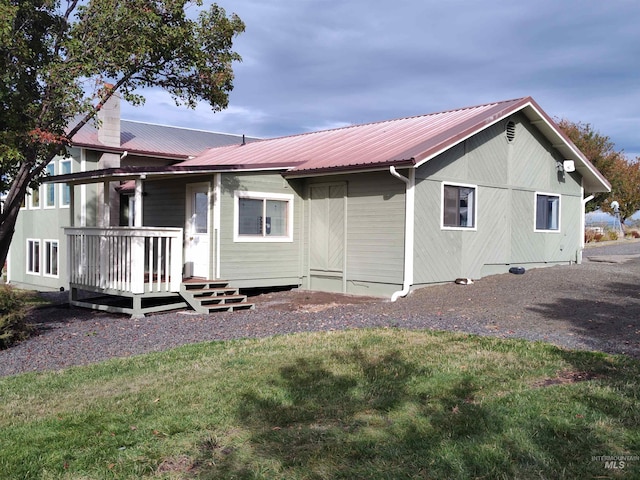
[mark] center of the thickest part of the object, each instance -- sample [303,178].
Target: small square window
[547,212]
[459,206]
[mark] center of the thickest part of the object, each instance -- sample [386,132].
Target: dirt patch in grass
[179,464]
[306,301]
[566,377]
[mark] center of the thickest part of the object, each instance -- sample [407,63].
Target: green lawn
[370,404]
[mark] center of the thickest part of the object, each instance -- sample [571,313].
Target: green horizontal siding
[256,263]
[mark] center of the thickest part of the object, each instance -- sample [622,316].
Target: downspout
[582,224]
[409,217]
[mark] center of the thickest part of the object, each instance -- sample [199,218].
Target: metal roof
[158,140]
[405,141]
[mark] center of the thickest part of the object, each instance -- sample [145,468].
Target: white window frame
[64,186]
[30,199]
[29,255]
[237,195]
[47,243]
[535,213]
[475,207]
[49,187]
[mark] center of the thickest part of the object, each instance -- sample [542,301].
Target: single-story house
[375,209]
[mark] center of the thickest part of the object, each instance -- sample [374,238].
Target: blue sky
[316,64]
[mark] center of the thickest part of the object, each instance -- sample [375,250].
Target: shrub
[612,235]
[13,326]
[593,235]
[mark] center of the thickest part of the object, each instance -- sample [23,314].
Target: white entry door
[197,243]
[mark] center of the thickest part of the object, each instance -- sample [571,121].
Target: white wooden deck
[142,264]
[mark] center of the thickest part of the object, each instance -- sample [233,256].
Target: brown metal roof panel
[414,139]
[162,140]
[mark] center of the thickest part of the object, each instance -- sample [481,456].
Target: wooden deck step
[220,292]
[221,299]
[229,307]
[209,296]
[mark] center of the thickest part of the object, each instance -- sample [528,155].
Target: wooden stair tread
[221,299]
[229,306]
[224,291]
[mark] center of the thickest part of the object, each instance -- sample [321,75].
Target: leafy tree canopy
[622,172]
[60,61]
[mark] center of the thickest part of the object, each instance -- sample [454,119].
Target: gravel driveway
[592,306]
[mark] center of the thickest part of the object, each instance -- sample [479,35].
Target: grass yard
[369,404]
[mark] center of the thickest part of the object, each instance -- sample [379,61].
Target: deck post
[176,262]
[137,264]
[106,212]
[103,262]
[137,218]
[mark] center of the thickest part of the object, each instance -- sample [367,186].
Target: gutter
[409,222]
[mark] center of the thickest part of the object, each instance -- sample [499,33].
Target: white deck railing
[125,259]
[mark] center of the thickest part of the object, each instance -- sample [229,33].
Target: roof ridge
[239,135]
[389,120]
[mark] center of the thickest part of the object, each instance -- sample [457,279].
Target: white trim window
[65,194]
[547,212]
[459,206]
[33,256]
[51,258]
[262,217]
[50,188]
[34,198]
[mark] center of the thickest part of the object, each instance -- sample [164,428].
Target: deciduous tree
[622,172]
[57,56]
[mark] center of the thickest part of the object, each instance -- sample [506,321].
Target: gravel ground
[592,306]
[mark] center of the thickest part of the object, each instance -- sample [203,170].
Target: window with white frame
[34,198]
[50,188]
[51,257]
[459,206]
[547,212]
[65,193]
[33,256]
[263,217]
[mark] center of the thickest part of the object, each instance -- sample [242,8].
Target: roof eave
[343,169]
[138,153]
[136,172]
[593,180]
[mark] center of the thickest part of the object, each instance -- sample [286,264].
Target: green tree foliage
[60,61]
[622,172]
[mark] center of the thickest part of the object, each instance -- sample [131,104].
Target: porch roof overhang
[122,174]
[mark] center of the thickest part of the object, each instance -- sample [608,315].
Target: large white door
[197,238]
